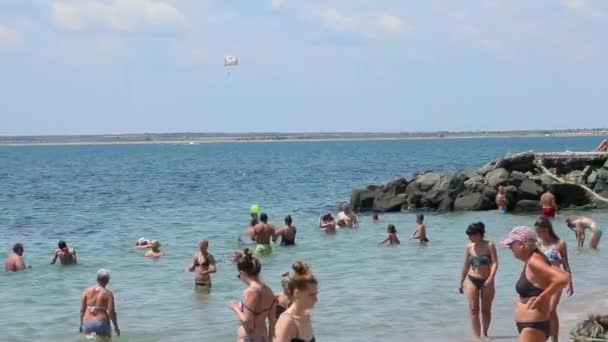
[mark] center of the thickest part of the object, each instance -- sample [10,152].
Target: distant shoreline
[195,139]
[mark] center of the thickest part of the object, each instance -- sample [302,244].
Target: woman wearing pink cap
[538,283]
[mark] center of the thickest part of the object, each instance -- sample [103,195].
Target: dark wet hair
[551,189]
[302,277]
[570,222]
[391,229]
[476,228]
[248,264]
[327,217]
[544,222]
[18,246]
[375,217]
[420,217]
[288,220]
[62,244]
[264,217]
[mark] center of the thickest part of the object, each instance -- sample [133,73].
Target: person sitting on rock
[603,146]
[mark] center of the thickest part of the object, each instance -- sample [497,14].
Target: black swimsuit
[526,289]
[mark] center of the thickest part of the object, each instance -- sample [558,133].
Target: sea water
[101,199]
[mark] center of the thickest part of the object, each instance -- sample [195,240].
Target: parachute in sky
[230,61]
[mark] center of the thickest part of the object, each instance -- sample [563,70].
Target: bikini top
[524,286]
[256,312]
[480,260]
[204,264]
[552,254]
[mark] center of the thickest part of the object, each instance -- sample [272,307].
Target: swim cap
[142,240]
[103,273]
[255,208]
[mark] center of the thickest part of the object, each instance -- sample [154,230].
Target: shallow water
[101,199]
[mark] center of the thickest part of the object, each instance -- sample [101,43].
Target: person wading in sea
[263,233]
[97,308]
[548,203]
[66,255]
[15,262]
[204,265]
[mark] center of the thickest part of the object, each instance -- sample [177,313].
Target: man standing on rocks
[548,203]
[501,200]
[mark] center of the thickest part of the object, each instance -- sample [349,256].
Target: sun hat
[522,234]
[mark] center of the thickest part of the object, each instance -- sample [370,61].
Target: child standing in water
[420,233]
[392,238]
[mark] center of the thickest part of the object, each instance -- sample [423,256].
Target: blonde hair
[302,277]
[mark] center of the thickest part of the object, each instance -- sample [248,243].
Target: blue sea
[102,198]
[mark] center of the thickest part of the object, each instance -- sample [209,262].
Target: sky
[137,66]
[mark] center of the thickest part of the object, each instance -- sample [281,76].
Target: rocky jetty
[575,177]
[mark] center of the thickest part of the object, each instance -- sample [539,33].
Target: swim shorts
[263,250]
[549,212]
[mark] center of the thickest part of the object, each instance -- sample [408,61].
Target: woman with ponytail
[295,325]
[258,304]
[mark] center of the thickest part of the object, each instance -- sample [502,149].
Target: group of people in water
[284,317]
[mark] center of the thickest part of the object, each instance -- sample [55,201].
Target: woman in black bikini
[204,264]
[538,283]
[287,233]
[294,325]
[258,305]
[479,269]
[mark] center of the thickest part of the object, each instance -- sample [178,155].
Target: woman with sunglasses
[477,277]
[537,285]
[258,304]
[556,252]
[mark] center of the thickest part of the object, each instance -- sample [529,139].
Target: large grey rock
[592,178]
[413,195]
[516,178]
[391,197]
[546,180]
[497,177]
[363,199]
[602,174]
[428,180]
[570,195]
[473,201]
[526,206]
[576,176]
[515,162]
[528,190]
[606,164]
[470,173]
[446,204]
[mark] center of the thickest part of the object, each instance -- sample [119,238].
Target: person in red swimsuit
[548,203]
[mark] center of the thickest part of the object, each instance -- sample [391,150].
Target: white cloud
[119,15]
[391,23]
[491,3]
[575,4]
[8,36]
[338,21]
[277,3]
[369,25]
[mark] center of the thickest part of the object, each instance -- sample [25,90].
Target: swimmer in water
[97,308]
[537,285]
[392,238]
[548,203]
[142,243]
[287,233]
[375,218]
[15,262]
[579,225]
[154,251]
[258,305]
[327,224]
[204,265]
[295,324]
[263,233]
[350,220]
[477,278]
[283,297]
[66,255]
[420,233]
[556,252]
[501,200]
